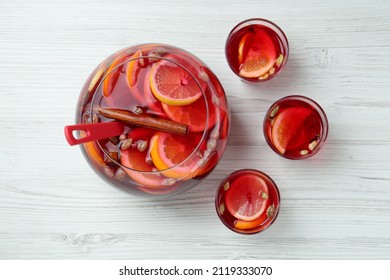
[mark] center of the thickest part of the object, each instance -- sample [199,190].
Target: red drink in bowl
[256,50]
[167,85]
[247,201]
[295,127]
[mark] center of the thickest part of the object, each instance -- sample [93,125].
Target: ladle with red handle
[93,131]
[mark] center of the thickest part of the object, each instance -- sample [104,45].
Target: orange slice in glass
[260,57]
[287,128]
[134,67]
[93,151]
[111,80]
[136,160]
[173,85]
[169,150]
[193,115]
[244,46]
[245,199]
[240,224]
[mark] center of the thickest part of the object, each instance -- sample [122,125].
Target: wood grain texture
[334,205]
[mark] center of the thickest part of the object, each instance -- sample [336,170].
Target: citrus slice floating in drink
[93,150]
[287,127]
[113,72]
[96,78]
[246,198]
[260,57]
[244,46]
[173,85]
[245,225]
[193,115]
[134,67]
[137,70]
[136,160]
[169,150]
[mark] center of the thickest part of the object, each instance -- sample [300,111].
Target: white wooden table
[335,205]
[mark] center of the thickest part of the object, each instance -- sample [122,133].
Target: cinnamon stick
[144,121]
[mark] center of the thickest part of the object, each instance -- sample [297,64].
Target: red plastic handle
[93,131]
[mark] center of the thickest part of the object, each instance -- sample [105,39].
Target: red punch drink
[179,119]
[295,127]
[247,201]
[256,50]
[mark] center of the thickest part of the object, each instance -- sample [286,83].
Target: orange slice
[244,199]
[193,115]
[173,85]
[96,78]
[134,67]
[169,150]
[287,127]
[251,224]
[136,160]
[93,151]
[244,46]
[260,57]
[245,225]
[111,80]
